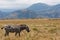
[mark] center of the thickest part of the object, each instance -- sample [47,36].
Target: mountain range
[38,10]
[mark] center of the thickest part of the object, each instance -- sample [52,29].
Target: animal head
[24,26]
[27,29]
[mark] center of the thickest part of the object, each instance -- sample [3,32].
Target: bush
[35,29]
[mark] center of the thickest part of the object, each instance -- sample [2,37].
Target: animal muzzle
[28,30]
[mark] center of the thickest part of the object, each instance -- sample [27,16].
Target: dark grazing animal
[16,29]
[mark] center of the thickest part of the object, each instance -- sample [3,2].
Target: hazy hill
[39,7]
[38,10]
[46,11]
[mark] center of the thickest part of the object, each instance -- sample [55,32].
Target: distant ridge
[39,6]
[38,10]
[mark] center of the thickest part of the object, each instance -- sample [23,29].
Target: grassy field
[41,29]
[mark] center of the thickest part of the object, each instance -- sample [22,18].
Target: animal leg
[6,33]
[15,33]
[19,34]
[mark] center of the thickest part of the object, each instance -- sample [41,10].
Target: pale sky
[24,3]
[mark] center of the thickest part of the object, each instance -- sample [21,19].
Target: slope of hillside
[38,10]
[39,7]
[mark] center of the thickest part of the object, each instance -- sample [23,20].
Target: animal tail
[2,27]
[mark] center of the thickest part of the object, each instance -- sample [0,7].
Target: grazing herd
[17,30]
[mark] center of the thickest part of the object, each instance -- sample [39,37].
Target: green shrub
[35,29]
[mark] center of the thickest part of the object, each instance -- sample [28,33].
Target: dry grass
[41,29]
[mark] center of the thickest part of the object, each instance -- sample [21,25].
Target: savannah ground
[41,29]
